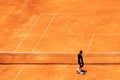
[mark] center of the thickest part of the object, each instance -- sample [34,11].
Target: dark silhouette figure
[81,63]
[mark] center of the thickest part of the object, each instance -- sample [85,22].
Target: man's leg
[79,69]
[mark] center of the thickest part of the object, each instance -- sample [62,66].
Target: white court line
[72,14]
[69,14]
[9,58]
[27,33]
[21,69]
[92,37]
[44,33]
[96,34]
[108,34]
[58,52]
[29,23]
[7,62]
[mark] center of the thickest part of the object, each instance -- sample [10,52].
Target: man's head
[81,51]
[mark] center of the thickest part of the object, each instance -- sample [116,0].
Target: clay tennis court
[40,39]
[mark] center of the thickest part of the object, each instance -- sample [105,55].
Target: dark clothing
[80,60]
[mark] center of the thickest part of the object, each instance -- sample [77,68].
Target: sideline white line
[7,62]
[92,37]
[29,22]
[21,69]
[9,58]
[44,33]
[27,33]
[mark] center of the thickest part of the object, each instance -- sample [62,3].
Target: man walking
[81,63]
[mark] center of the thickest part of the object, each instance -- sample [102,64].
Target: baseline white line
[108,34]
[58,52]
[44,33]
[27,33]
[72,14]
[65,14]
[96,34]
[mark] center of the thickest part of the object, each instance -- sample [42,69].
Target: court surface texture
[40,39]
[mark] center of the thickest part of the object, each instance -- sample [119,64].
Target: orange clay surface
[59,28]
[58,67]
